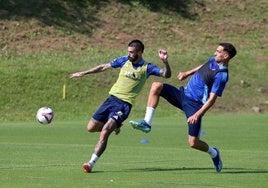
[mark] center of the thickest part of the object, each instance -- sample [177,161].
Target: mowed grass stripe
[51,156]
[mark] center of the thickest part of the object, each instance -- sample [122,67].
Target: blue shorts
[114,108]
[177,98]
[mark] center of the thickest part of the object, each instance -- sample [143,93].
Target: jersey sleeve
[219,83]
[118,62]
[153,70]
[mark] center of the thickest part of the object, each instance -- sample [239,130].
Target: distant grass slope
[40,49]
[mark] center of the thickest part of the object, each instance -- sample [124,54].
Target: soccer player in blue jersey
[134,71]
[206,84]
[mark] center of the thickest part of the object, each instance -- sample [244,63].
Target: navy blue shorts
[177,98]
[113,108]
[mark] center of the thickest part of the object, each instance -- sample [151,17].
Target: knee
[90,128]
[104,134]
[193,142]
[156,87]
[93,126]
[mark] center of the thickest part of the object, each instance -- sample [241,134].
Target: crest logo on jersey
[131,75]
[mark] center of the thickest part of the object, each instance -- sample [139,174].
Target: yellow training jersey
[130,82]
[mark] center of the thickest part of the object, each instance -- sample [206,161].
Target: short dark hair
[229,48]
[137,44]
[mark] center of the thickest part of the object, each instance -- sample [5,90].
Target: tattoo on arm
[166,71]
[98,68]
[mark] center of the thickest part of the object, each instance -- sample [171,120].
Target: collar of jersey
[223,67]
[139,64]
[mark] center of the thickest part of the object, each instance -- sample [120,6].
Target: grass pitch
[34,155]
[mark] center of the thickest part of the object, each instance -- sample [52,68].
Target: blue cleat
[217,161]
[142,126]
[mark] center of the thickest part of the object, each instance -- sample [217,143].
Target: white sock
[212,152]
[149,115]
[93,159]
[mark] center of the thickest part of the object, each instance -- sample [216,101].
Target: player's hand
[118,129]
[163,55]
[182,75]
[76,74]
[193,119]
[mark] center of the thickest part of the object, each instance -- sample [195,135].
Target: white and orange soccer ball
[44,115]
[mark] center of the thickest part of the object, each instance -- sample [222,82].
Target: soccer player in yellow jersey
[116,108]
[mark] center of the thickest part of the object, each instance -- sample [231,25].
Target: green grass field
[34,155]
[42,42]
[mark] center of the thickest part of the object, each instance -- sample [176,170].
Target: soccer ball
[44,115]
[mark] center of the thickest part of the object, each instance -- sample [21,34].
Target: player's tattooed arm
[165,71]
[99,68]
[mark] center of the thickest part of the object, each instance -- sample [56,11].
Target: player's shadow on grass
[155,169]
[225,170]
[244,171]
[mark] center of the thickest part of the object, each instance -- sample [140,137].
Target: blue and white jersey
[151,69]
[198,88]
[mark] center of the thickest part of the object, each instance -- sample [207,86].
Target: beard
[133,59]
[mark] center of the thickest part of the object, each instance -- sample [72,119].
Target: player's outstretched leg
[142,126]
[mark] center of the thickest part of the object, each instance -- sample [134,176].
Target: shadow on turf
[224,170]
[243,171]
[154,169]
